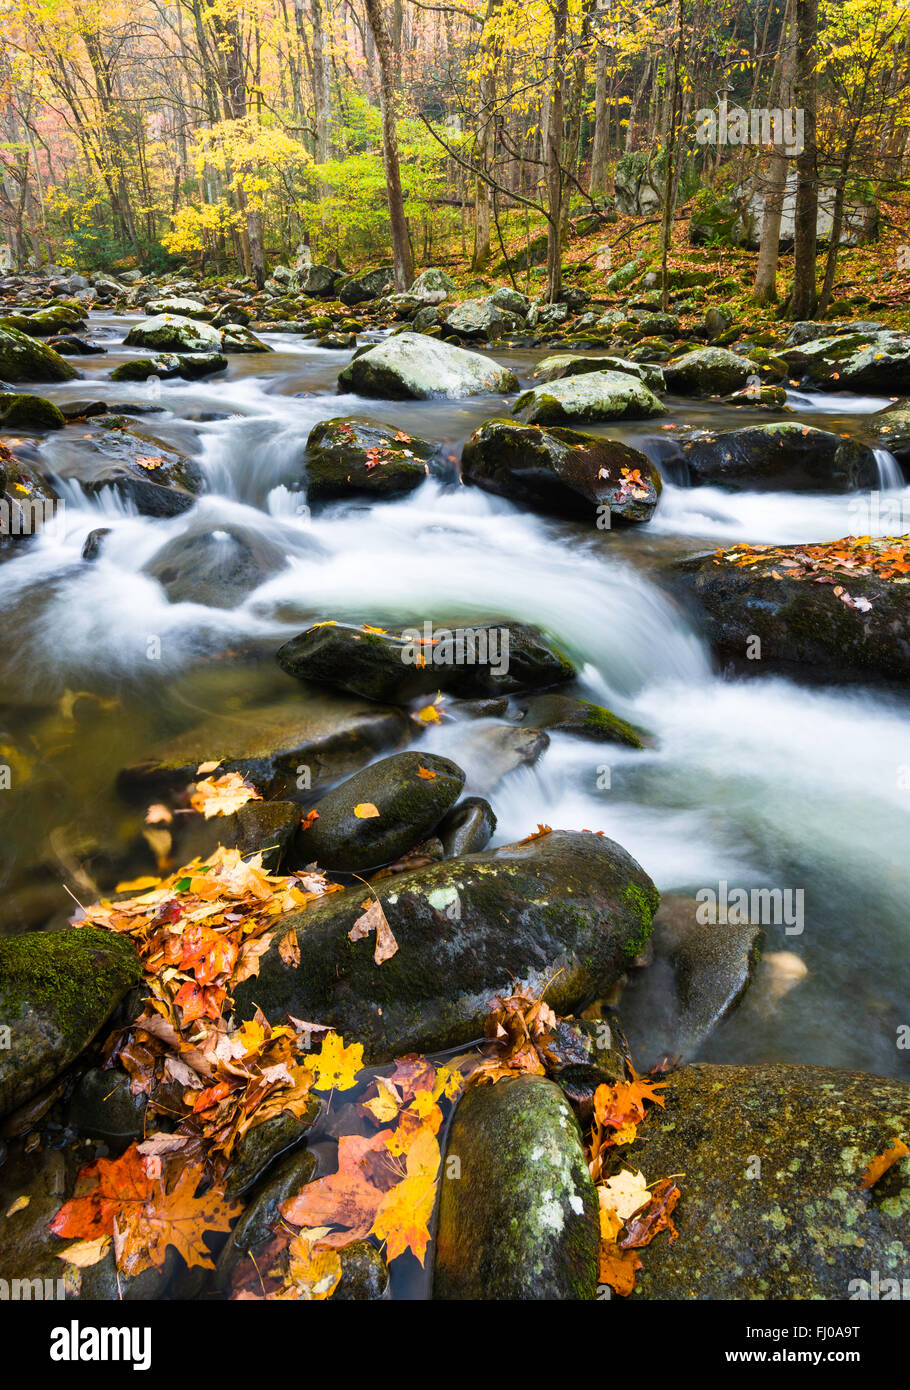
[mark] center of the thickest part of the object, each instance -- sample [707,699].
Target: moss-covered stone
[781,457]
[348,456]
[24,359]
[591,396]
[364,1274]
[518,1217]
[410,804]
[56,990]
[570,908]
[562,714]
[797,1225]
[710,371]
[408,365]
[23,412]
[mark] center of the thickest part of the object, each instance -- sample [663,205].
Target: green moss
[72,971]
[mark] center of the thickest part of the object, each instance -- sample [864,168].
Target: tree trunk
[554,177]
[765,288]
[599,148]
[401,242]
[803,298]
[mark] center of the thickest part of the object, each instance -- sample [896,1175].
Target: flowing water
[756,782]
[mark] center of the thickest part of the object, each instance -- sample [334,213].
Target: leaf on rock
[335,1067]
[224,796]
[374,919]
[880,1165]
[365,810]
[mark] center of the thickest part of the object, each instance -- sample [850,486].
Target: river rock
[572,364]
[28,502]
[781,457]
[804,1228]
[216,568]
[256,1225]
[412,365]
[56,991]
[804,628]
[236,337]
[103,1107]
[383,665]
[24,412]
[490,753]
[260,827]
[318,281]
[174,333]
[364,1274]
[481,319]
[189,365]
[347,456]
[891,430]
[410,804]
[371,284]
[467,828]
[24,359]
[433,286]
[187,308]
[564,715]
[875,362]
[322,737]
[710,371]
[588,397]
[568,907]
[561,471]
[520,1220]
[155,479]
[45,323]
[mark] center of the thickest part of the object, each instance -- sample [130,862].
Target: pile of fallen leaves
[884,558]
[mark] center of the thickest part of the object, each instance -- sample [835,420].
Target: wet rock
[24,359]
[490,754]
[190,366]
[521,1219]
[588,397]
[564,715]
[364,1274]
[23,412]
[801,1227]
[70,345]
[781,457]
[561,471]
[236,337]
[481,319]
[259,1221]
[347,456]
[507,658]
[877,362]
[318,281]
[155,479]
[56,991]
[216,568]
[565,364]
[264,1143]
[711,371]
[260,827]
[174,333]
[82,410]
[187,308]
[803,627]
[44,323]
[103,1107]
[319,737]
[698,975]
[409,803]
[568,906]
[409,365]
[891,430]
[28,502]
[91,548]
[371,284]
[467,828]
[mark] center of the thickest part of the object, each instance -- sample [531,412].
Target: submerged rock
[797,1224]
[802,626]
[520,1220]
[257,1223]
[489,659]
[490,754]
[410,365]
[561,471]
[588,397]
[24,359]
[216,568]
[781,457]
[411,793]
[568,907]
[321,737]
[710,371]
[348,456]
[56,991]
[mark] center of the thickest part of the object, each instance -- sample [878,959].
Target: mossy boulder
[46,323]
[24,359]
[518,1217]
[56,991]
[487,659]
[798,1227]
[891,430]
[574,364]
[330,736]
[877,362]
[189,365]
[411,791]
[187,308]
[781,457]
[411,366]
[481,319]
[710,371]
[174,333]
[369,284]
[23,412]
[562,471]
[803,627]
[562,714]
[569,907]
[347,456]
[588,397]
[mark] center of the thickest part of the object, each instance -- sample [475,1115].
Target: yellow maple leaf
[222,797]
[335,1067]
[403,1217]
[314,1274]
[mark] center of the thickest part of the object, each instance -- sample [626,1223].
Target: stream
[754,781]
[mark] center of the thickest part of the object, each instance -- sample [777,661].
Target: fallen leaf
[85,1253]
[880,1165]
[365,810]
[374,919]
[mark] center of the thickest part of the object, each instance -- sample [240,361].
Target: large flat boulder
[569,908]
[410,365]
[781,457]
[588,397]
